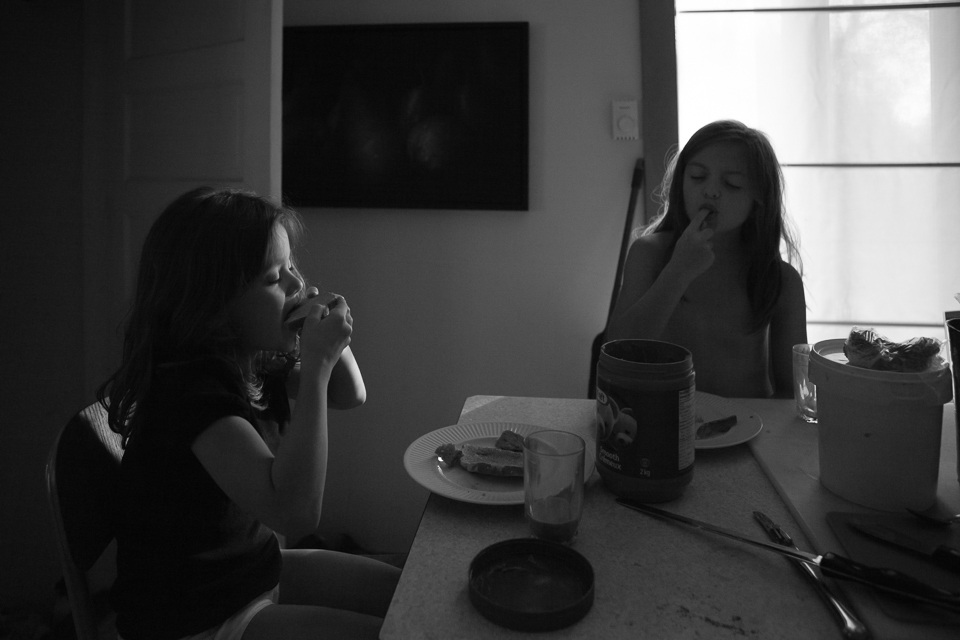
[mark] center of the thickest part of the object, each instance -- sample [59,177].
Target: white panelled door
[178,94]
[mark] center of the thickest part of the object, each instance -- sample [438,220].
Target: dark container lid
[528,584]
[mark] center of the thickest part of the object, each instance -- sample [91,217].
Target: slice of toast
[510,441]
[491,461]
[716,427]
[296,317]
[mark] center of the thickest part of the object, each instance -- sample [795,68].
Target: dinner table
[656,578]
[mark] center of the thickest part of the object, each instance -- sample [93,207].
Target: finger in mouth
[710,222]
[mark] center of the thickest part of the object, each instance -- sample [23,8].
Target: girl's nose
[296,284]
[711,191]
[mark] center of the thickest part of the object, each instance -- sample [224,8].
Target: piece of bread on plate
[491,461]
[510,441]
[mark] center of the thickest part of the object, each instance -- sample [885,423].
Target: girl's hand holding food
[326,330]
[298,314]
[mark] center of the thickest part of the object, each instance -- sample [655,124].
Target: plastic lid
[531,585]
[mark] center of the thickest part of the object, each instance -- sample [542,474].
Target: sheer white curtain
[862,103]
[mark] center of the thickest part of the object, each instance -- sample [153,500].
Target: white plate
[421,462]
[711,407]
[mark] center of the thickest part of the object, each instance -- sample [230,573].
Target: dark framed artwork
[418,116]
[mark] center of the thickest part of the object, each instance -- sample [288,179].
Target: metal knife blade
[830,564]
[850,625]
[944,556]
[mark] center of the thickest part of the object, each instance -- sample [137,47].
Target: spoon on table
[942,521]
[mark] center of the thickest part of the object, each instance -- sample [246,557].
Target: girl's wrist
[676,275]
[316,369]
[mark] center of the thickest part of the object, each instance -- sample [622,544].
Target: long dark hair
[765,230]
[203,251]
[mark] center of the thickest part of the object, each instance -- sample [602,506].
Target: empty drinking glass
[804,391]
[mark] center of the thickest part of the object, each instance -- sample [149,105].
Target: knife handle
[888,580]
[850,626]
[948,557]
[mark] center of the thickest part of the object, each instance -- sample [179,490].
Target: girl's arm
[346,389]
[284,491]
[649,295]
[788,327]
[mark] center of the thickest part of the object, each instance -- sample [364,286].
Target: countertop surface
[787,450]
[654,579]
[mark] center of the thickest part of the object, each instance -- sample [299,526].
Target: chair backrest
[83,471]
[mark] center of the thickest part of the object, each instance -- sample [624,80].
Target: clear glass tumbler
[804,391]
[553,484]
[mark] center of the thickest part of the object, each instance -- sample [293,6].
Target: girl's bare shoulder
[645,259]
[792,296]
[653,247]
[790,280]
[790,274]
[659,239]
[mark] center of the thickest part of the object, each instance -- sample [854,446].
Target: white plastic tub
[879,430]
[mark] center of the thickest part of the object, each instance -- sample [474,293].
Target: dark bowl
[531,585]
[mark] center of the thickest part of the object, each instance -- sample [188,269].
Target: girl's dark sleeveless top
[187,557]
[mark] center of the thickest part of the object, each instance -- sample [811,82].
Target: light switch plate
[626,123]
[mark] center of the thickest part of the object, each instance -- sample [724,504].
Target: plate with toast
[439,461]
[723,423]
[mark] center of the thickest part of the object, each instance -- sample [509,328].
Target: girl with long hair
[709,272]
[223,333]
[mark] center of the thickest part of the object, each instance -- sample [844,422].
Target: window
[862,103]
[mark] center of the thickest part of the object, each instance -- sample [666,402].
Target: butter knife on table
[941,555]
[835,566]
[851,627]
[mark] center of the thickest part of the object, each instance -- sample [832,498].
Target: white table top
[653,578]
[787,450]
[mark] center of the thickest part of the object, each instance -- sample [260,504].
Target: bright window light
[862,103]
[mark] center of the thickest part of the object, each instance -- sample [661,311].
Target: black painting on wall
[424,116]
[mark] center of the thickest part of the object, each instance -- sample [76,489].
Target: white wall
[449,304]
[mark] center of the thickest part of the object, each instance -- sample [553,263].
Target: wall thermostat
[626,124]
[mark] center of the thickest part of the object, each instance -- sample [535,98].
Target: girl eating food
[707,273]
[213,354]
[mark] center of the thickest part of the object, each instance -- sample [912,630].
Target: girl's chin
[291,342]
[286,343]
[291,339]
